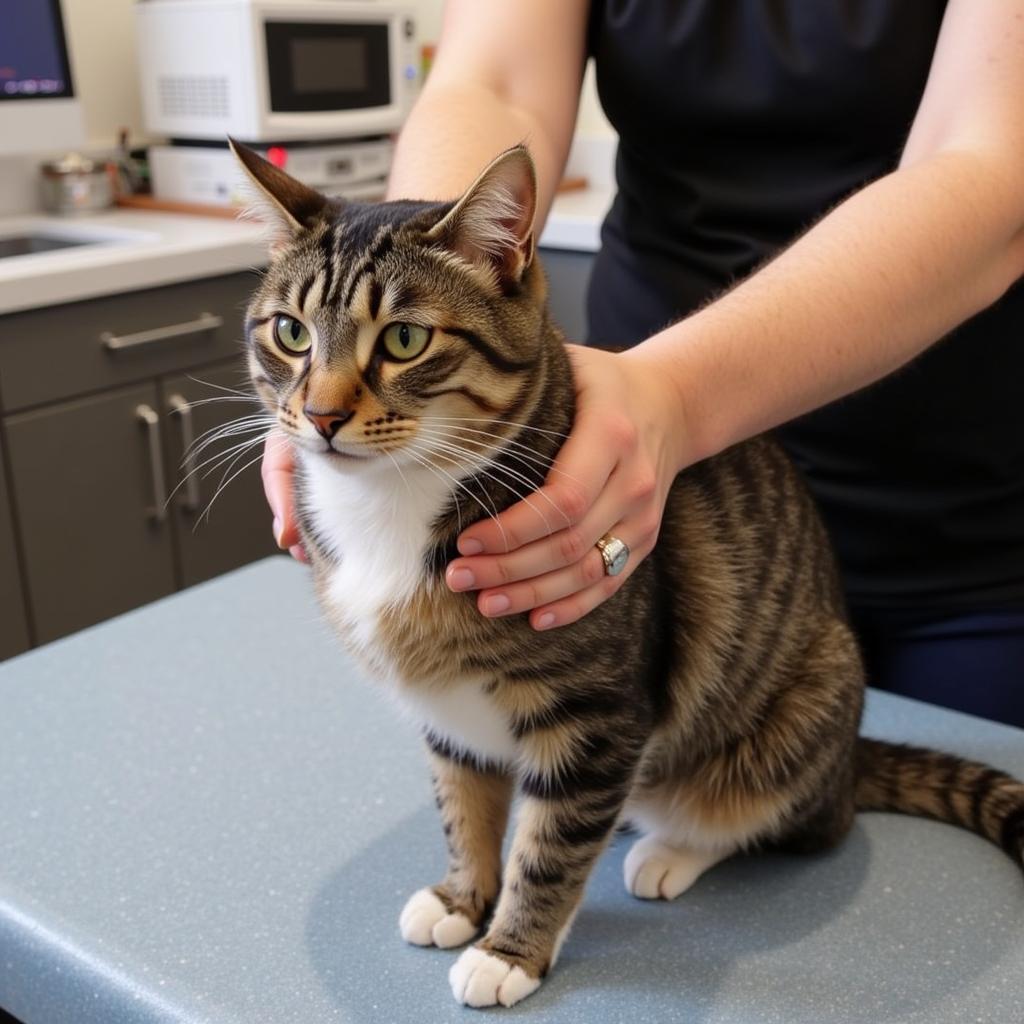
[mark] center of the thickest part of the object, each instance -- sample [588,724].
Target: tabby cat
[713,702]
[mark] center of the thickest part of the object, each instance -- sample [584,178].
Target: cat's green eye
[292,335]
[405,341]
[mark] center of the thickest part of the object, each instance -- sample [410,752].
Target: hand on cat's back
[612,476]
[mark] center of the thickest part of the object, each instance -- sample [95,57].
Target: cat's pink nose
[328,423]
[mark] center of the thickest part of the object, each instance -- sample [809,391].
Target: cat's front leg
[473,802]
[565,820]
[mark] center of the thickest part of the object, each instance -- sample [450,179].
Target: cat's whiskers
[425,464]
[237,426]
[483,419]
[233,451]
[490,464]
[221,387]
[239,397]
[211,462]
[461,434]
[232,455]
[529,462]
[195,451]
[527,451]
[229,454]
[205,514]
[482,469]
[491,513]
[226,480]
[399,468]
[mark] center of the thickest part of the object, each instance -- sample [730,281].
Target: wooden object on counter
[152,203]
[573,183]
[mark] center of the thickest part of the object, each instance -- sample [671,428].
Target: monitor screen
[33,52]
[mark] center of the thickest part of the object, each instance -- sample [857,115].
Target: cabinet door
[87,477]
[568,280]
[13,627]
[220,516]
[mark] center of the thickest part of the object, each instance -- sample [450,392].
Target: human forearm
[506,72]
[455,130]
[885,274]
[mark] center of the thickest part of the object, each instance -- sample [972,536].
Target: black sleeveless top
[741,122]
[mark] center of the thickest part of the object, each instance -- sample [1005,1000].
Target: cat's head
[393,328]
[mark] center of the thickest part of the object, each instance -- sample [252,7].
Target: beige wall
[101,39]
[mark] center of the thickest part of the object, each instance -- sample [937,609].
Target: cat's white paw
[655,871]
[480,979]
[425,921]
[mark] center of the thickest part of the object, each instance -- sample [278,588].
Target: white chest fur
[377,525]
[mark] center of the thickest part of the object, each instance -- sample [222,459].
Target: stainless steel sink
[34,238]
[24,245]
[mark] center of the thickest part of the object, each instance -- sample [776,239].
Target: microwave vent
[193,95]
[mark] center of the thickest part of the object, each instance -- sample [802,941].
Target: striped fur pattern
[714,702]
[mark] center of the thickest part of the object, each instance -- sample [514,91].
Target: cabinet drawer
[56,353]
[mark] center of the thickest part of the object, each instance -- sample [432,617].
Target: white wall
[101,41]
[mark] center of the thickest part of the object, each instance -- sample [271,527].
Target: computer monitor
[38,109]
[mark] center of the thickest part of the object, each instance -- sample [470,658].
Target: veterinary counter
[207,814]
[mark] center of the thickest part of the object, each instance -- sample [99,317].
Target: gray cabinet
[13,626]
[97,401]
[568,278]
[88,497]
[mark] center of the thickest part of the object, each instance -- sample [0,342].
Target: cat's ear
[287,206]
[492,224]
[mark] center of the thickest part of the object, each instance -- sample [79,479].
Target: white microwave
[275,70]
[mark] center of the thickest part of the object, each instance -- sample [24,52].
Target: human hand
[277,469]
[612,475]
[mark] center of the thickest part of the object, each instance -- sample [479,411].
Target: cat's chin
[345,461]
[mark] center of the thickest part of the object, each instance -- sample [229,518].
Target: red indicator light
[278,156]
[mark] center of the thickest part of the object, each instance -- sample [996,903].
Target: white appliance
[275,70]
[211,175]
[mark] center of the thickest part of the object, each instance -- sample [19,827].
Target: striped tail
[929,784]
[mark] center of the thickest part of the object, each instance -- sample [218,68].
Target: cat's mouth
[350,456]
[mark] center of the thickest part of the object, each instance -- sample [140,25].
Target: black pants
[972,662]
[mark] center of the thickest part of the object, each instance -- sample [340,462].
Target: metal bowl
[76,184]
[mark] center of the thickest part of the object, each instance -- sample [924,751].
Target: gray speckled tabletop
[207,815]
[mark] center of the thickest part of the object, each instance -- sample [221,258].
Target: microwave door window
[319,67]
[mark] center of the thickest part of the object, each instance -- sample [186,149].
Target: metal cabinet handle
[190,499]
[204,322]
[149,418]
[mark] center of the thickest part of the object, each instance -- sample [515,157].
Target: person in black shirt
[819,228]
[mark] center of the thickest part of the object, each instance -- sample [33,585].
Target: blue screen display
[33,55]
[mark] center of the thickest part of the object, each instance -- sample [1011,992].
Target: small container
[76,184]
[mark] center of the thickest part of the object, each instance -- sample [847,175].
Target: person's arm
[880,278]
[506,71]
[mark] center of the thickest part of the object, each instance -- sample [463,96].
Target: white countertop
[131,249]
[147,250]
